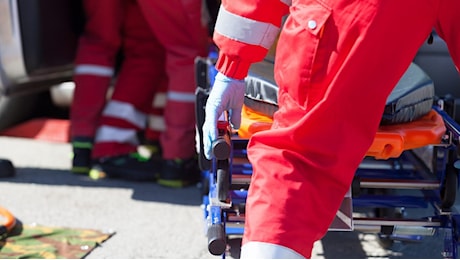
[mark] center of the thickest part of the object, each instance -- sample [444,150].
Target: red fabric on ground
[48,129]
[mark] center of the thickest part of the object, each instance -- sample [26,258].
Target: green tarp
[31,241]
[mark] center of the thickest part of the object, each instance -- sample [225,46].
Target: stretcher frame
[393,163]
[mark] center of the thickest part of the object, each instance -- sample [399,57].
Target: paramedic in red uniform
[181,27]
[111,26]
[336,63]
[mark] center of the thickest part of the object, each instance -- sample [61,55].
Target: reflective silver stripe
[181,96]
[245,30]
[97,70]
[261,250]
[116,134]
[159,101]
[157,123]
[286,2]
[126,112]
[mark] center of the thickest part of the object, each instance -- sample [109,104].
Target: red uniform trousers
[178,26]
[94,63]
[142,74]
[348,57]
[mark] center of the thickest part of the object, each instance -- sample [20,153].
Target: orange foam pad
[56,130]
[389,142]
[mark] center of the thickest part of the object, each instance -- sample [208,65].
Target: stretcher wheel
[223,180]
[6,168]
[217,243]
[448,191]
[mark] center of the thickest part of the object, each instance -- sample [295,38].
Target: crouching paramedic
[336,63]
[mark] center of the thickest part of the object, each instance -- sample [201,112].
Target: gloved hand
[227,94]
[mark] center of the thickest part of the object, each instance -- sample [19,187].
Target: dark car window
[49,31]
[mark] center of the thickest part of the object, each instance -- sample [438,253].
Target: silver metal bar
[401,227]
[402,222]
[385,165]
[399,184]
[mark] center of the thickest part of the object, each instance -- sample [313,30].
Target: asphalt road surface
[150,221]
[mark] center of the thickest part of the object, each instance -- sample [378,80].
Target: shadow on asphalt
[335,245]
[145,191]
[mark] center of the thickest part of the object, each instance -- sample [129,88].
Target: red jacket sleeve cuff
[231,67]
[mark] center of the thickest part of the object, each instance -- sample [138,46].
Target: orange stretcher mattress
[389,142]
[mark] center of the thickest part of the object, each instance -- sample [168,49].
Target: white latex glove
[227,94]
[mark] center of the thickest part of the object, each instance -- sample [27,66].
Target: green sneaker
[179,173]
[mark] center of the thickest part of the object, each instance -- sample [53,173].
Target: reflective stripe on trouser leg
[155,127]
[113,141]
[155,121]
[117,133]
[261,250]
[126,112]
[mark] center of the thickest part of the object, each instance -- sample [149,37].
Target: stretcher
[412,163]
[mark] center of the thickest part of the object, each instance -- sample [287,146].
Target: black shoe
[132,167]
[81,161]
[179,173]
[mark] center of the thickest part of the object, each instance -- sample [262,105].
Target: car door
[38,40]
